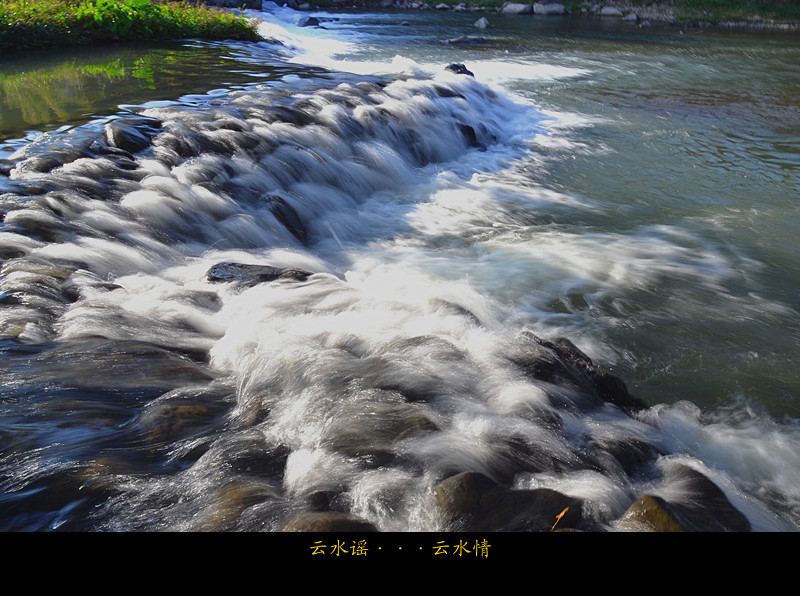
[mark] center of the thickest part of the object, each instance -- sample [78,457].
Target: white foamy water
[418,265]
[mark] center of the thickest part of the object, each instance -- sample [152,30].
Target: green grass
[36,24]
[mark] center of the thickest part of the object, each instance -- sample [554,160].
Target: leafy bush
[34,24]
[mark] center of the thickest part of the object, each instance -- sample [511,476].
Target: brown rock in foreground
[328,521]
[472,502]
[705,508]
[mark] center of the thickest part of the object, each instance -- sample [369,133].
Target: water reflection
[51,89]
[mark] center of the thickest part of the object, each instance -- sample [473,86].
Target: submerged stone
[465,40]
[181,412]
[288,216]
[101,363]
[308,22]
[328,521]
[369,431]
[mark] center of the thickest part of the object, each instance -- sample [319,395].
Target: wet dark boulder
[96,363]
[561,364]
[702,507]
[180,413]
[131,134]
[250,275]
[369,430]
[226,506]
[610,388]
[308,22]
[469,135]
[631,455]
[473,502]
[459,69]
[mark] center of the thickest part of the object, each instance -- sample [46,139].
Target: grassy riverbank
[36,24]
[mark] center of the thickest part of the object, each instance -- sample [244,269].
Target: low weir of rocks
[186,346]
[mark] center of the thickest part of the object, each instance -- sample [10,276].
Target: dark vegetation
[739,10]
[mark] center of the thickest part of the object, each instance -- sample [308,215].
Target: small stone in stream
[131,134]
[250,275]
[459,69]
[481,23]
[308,22]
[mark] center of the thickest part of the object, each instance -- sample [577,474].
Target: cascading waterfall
[250,312]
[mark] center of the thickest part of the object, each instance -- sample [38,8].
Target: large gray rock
[516,8]
[547,8]
[610,11]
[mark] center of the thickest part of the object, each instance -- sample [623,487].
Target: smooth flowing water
[335,274]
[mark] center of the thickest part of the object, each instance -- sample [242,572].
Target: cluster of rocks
[643,14]
[470,501]
[556,8]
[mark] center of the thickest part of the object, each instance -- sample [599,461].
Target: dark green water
[66,87]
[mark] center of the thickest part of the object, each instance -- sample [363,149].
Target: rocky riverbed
[641,15]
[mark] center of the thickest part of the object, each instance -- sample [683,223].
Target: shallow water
[631,190]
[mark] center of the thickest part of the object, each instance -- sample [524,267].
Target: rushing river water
[328,275]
